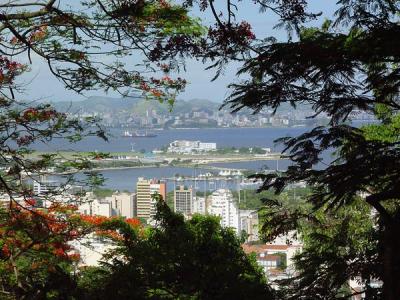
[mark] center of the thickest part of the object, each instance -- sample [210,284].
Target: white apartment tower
[96,207]
[44,185]
[199,205]
[224,206]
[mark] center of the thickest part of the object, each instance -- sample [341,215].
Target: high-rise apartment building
[183,199]
[143,199]
[224,206]
[199,205]
[145,189]
[123,204]
[249,223]
[44,185]
[159,187]
[96,207]
[156,187]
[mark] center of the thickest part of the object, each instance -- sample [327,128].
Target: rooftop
[261,248]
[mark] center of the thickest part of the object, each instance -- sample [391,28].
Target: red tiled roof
[277,247]
[266,247]
[275,272]
[269,257]
[254,248]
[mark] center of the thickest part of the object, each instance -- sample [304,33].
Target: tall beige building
[183,199]
[123,204]
[143,198]
[145,205]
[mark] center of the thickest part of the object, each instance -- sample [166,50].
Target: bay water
[125,179]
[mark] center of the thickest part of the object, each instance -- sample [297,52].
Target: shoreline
[205,128]
[205,165]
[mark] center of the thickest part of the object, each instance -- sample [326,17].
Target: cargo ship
[137,133]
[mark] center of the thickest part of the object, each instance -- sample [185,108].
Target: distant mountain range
[98,104]
[137,105]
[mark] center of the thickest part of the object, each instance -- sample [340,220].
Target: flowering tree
[36,250]
[87,45]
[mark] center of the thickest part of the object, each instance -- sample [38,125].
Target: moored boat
[138,133]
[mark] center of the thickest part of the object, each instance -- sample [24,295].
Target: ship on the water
[137,133]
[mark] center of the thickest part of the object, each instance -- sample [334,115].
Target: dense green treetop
[195,259]
[349,63]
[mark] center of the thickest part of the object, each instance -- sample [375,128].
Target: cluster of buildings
[219,203]
[204,117]
[188,147]
[142,204]
[198,114]
[275,259]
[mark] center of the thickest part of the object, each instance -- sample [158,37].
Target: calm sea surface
[224,137]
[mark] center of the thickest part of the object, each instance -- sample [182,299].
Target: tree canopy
[195,259]
[87,45]
[348,64]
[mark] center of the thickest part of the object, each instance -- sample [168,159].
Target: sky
[41,85]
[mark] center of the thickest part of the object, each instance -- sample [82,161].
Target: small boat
[251,183]
[137,133]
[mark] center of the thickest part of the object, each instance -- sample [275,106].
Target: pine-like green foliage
[350,63]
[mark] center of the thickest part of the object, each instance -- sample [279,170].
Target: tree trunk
[391,262]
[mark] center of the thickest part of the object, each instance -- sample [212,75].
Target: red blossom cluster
[5,251]
[154,86]
[30,201]
[157,93]
[98,221]
[177,45]
[44,230]
[94,220]
[232,35]
[167,80]
[39,34]
[63,208]
[133,222]
[74,256]
[52,229]
[164,4]
[9,70]
[108,233]
[33,114]
[61,249]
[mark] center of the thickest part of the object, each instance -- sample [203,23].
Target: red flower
[6,251]
[30,201]
[59,252]
[133,222]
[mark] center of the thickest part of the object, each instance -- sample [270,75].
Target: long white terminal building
[184,146]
